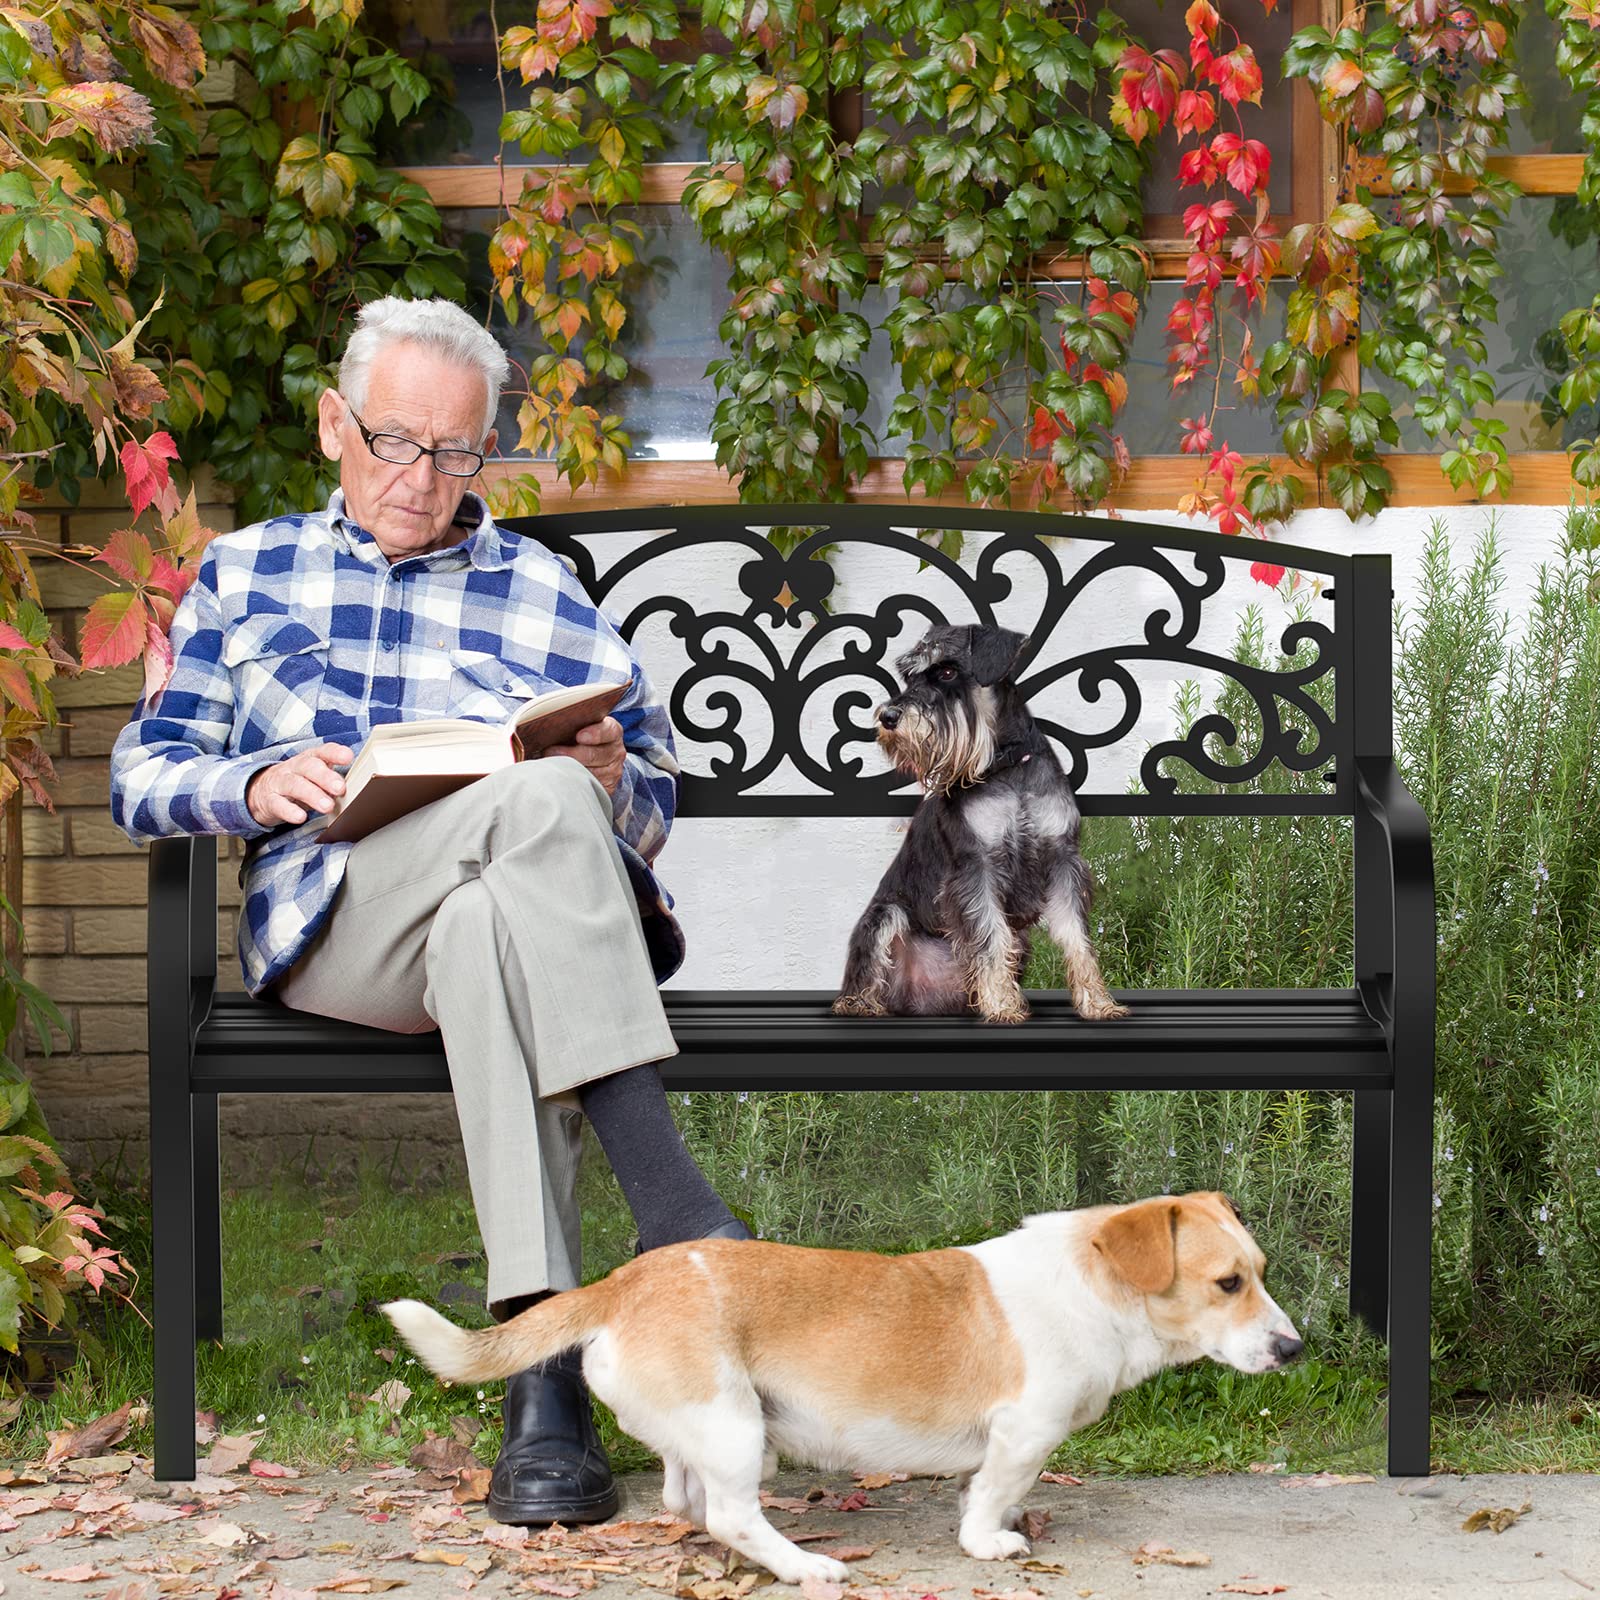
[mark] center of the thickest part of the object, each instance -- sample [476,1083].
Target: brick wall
[84,917]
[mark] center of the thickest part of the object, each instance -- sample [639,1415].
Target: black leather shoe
[552,1466]
[733,1228]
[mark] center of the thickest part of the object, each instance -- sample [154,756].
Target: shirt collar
[484,547]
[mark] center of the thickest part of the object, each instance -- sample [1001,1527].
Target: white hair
[437,325]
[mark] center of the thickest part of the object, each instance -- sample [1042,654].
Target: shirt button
[388,644]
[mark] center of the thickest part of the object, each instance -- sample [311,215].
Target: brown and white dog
[975,1361]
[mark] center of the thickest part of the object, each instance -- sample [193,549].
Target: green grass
[305,1267]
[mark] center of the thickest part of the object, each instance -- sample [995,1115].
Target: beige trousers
[502,915]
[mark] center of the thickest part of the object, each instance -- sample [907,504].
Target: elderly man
[519,915]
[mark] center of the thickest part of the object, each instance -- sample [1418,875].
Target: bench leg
[1410,1274]
[207,1219]
[172,1219]
[1369,1214]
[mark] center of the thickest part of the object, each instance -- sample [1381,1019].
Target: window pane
[675,300]
[1159,24]
[452,43]
[1551,257]
[1149,421]
[1551,120]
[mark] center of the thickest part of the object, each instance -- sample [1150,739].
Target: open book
[404,765]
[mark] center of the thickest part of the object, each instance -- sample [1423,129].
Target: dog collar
[1012,754]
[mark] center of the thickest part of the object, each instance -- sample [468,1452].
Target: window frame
[1153,481]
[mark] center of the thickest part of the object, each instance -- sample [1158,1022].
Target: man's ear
[330,423]
[994,652]
[1140,1244]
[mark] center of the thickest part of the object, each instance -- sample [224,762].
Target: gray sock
[666,1192]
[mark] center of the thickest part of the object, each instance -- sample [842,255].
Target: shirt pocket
[279,664]
[489,689]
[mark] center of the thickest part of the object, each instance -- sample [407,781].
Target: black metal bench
[1375,1038]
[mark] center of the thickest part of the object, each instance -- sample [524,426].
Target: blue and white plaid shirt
[299,631]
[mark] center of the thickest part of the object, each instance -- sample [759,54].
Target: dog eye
[1230,1284]
[946,673]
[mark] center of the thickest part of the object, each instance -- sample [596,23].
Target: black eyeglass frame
[367,436]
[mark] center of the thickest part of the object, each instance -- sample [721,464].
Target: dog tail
[464,1356]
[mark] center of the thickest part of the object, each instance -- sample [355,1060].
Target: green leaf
[10,1303]
[50,242]
[963,235]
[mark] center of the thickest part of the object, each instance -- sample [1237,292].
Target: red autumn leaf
[1225,461]
[1207,224]
[1197,112]
[1271,575]
[113,630]
[1202,18]
[157,659]
[1343,78]
[1181,318]
[1231,517]
[1114,384]
[1245,163]
[1204,269]
[16,687]
[128,555]
[1196,436]
[1121,304]
[10,639]
[1237,76]
[1151,82]
[1045,430]
[145,467]
[1197,168]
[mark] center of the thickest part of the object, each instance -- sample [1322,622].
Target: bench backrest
[771,663]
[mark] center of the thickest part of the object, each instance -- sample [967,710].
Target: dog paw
[1098,1008]
[805,1565]
[1009,1011]
[857,1005]
[994,1545]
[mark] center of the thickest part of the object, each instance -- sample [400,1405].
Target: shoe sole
[597,1508]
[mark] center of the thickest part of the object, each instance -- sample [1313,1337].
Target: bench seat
[1175,1039]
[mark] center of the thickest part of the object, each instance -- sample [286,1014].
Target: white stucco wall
[770,903]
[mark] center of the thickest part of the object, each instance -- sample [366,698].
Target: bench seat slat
[1226,1038]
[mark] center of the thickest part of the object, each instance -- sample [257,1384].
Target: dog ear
[994,652]
[1140,1244]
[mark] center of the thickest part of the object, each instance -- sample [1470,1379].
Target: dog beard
[942,754]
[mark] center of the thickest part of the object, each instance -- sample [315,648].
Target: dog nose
[1285,1347]
[889,716]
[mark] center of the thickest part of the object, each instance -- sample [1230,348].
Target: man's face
[418,394]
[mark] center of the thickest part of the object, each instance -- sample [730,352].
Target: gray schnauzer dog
[992,849]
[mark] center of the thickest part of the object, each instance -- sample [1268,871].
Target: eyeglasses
[401,451]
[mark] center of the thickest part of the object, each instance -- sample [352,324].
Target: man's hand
[600,748]
[290,790]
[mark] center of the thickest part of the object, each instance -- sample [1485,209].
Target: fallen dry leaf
[566,1591]
[82,1573]
[357,1583]
[227,1535]
[443,1455]
[478,1561]
[271,1469]
[1249,1585]
[847,1552]
[153,1511]
[776,1502]
[1327,1480]
[473,1487]
[207,1425]
[1267,1466]
[1151,1553]
[1032,1526]
[1061,1477]
[1007,1594]
[230,1452]
[390,1396]
[821,1589]
[89,1440]
[880,1480]
[1495,1518]
[1033,1565]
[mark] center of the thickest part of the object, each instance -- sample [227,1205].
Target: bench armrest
[181,931]
[1406,992]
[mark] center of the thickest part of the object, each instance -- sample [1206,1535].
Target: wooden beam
[1552,175]
[1543,478]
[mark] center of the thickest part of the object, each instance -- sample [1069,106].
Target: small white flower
[686,1099]
[305,1361]
[410,1362]
[1530,1010]
[744,1094]
[1227,1149]
[480,1394]
[1437,1202]
[1172,1151]
[1263,1412]
[1336,1280]
[744,1171]
[261,1416]
[1544,1213]
[482,1406]
[1449,1152]
[1543,871]
[1100,927]
[1541,1249]
[916,1099]
[1580,994]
